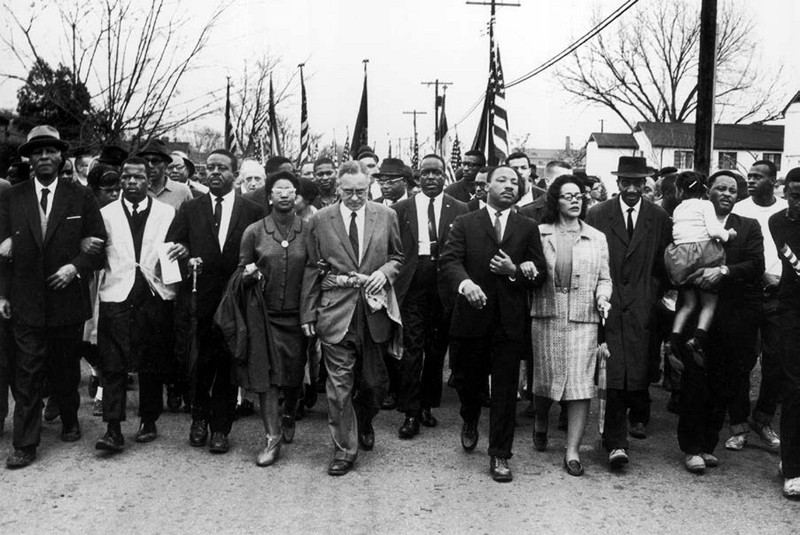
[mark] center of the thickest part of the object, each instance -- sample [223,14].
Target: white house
[791,140]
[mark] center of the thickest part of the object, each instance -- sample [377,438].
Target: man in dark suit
[41,291]
[425,221]
[464,189]
[637,232]
[724,385]
[491,259]
[350,308]
[208,231]
[479,200]
[529,191]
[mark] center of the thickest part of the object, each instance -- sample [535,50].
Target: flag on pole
[442,146]
[493,126]
[304,149]
[258,152]
[346,157]
[455,153]
[231,144]
[362,123]
[273,141]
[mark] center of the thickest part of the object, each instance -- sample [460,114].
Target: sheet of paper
[170,271]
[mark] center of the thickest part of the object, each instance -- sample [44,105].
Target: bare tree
[250,99]
[132,60]
[646,69]
[205,139]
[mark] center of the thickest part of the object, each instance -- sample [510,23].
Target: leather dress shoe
[618,458]
[469,435]
[427,418]
[21,458]
[310,397]
[219,443]
[270,453]
[147,432]
[638,431]
[366,436]
[112,441]
[339,467]
[173,399]
[287,428]
[71,433]
[574,467]
[410,428]
[500,471]
[540,440]
[198,433]
[51,410]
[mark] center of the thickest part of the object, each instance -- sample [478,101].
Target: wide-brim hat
[157,147]
[113,154]
[42,136]
[391,167]
[186,161]
[632,167]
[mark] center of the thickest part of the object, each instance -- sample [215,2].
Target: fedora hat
[391,167]
[157,147]
[186,161]
[42,136]
[632,167]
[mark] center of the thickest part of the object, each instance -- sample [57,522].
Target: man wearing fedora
[392,179]
[43,288]
[162,187]
[182,169]
[637,234]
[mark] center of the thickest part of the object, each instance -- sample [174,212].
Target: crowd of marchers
[356,279]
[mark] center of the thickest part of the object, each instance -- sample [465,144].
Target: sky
[411,41]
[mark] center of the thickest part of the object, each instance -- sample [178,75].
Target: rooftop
[757,137]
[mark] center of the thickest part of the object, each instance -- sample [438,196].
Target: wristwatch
[725,271]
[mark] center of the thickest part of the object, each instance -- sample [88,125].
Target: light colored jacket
[119,273]
[591,276]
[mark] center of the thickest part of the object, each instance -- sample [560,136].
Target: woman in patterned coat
[566,311]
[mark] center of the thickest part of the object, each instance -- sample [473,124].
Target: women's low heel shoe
[574,467]
[540,440]
[270,453]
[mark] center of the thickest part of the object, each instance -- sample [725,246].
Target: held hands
[501,264]
[250,274]
[92,245]
[6,248]
[603,306]
[309,329]
[474,295]
[5,308]
[177,251]
[529,270]
[61,278]
[375,282]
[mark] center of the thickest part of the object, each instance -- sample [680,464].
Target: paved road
[428,485]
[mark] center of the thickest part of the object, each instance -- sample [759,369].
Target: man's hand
[91,245]
[6,248]
[770,280]
[309,330]
[5,308]
[528,269]
[603,306]
[501,264]
[375,282]
[177,251]
[61,278]
[706,278]
[196,264]
[474,295]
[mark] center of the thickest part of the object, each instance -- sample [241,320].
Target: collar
[624,207]
[39,187]
[129,205]
[345,211]
[503,213]
[421,198]
[226,199]
[167,186]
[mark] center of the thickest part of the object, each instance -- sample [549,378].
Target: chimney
[568,145]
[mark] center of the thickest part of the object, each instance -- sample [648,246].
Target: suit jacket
[193,227]
[333,309]
[119,273]
[460,191]
[259,196]
[474,204]
[469,249]
[637,270]
[591,277]
[409,235]
[740,292]
[534,210]
[74,215]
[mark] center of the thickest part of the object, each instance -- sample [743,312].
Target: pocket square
[74,217]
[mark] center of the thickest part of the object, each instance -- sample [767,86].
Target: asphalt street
[426,485]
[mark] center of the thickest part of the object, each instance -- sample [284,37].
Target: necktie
[630,223]
[135,209]
[432,229]
[218,213]
[354,233]
[43,202]
[498,228]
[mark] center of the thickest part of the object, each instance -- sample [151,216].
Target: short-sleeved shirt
[173,193]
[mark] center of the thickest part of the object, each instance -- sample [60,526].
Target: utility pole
[706,78]
[436,104]
[415,148]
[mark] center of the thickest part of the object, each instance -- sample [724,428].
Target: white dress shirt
[143,205]
[634,215]
[361,214]
[423,201]
[225,220]
[503,217]
[52,187]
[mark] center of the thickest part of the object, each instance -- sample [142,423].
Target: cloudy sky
[411,41]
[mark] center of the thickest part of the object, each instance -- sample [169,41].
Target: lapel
[642,228]
[32,212]
[151,228]
[60,203]
[208,214]
[446,216]
[486,222]
[370,222]
[511,224]
[125,236]
[411,218]
[236,212]
[616,223]
[546,231]
[338,227]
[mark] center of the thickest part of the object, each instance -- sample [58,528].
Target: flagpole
[361,130]
[304,149]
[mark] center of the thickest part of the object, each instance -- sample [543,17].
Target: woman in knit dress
[566,311]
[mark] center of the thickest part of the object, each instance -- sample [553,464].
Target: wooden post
[706,76]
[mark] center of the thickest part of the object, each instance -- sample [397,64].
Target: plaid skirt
[564,358]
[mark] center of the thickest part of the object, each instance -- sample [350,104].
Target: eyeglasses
[480,185]
[357,192]
[176,167]
[390,180]
[125,177]
[284,191]
[569,197]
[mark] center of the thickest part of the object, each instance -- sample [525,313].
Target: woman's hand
[529,270]
[250,274]
[603,306]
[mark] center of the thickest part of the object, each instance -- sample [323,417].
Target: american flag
[273,140]
[499,116]
[304,154]
[346,150]
[455,154]
[231,144]
[258,153]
